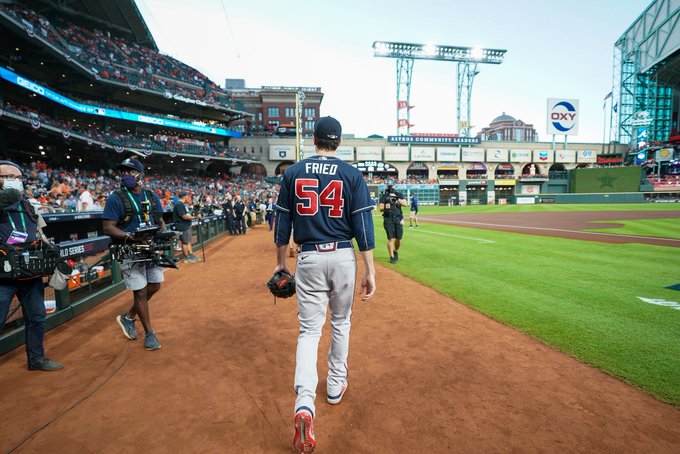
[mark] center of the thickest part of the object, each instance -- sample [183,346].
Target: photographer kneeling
[128,209]
[393,219]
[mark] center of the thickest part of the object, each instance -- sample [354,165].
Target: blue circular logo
[563,116]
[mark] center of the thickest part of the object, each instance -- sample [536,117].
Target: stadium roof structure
[121,15]
[646,72]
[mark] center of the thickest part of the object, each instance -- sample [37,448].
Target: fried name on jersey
[322,168]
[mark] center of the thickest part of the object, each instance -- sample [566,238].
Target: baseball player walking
[327,203]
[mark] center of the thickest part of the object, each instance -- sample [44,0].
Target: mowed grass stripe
[579,296]
[549,208]
[657,228]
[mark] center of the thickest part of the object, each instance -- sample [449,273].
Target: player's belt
[326,247]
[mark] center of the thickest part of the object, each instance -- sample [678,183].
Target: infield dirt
[427,374]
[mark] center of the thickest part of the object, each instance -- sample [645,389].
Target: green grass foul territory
[579,296]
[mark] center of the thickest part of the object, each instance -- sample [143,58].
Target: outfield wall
[619,197]
[605,180]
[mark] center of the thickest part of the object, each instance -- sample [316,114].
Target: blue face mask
[129,181]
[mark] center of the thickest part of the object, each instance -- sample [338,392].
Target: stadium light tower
[466,58]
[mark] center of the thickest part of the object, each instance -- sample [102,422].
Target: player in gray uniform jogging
[327,203]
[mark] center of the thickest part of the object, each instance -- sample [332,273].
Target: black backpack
[125,197]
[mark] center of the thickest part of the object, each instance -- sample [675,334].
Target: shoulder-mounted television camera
[28,261]
[147,245]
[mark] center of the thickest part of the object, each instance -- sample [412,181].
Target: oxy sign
[563,116]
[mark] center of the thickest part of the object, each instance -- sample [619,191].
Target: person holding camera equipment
[132,217]
[26,257]
[182,220]
[393,219]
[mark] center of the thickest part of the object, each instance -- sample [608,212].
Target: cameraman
[20,226]
[182,220]
[126,210]
[393,219]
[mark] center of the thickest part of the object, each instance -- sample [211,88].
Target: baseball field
[480,339]
[590,280]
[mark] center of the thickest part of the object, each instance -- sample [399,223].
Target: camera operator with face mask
[128,209]
[393,219]
[20,229]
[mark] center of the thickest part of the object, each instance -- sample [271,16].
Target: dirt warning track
[427,374]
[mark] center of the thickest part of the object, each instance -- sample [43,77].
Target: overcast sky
[554,49]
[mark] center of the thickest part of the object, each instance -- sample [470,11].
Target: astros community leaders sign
[433,140]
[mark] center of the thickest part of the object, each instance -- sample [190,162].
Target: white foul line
[481,240]
[615,235]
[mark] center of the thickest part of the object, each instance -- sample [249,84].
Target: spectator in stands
[85,200]
[70,203]
[18,229]
[182,220]
[126,210]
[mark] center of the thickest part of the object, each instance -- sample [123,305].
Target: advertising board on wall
[472,155]
[282,153]
[422,153]
[544,156]
[586,156]
[448,154]
[519,155]
[496,155]
[367,153]
[345,153]
[565,156]
[396,154]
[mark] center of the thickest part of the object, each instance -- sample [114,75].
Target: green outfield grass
[664,228]
[549,207]
[579,296]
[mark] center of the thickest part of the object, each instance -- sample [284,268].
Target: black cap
[13,164]
[133,164]
[327,128]
[182,194]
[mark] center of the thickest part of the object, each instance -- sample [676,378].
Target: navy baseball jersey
[324,199]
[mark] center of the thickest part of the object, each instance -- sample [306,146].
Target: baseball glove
[281,285]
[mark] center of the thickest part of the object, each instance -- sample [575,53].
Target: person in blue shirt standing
[413,216]
[326,203]
[126,210]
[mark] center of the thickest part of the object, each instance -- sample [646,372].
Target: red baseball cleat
[303,440]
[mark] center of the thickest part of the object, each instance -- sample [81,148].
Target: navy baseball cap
[182,194]
[327,128]
[133,164]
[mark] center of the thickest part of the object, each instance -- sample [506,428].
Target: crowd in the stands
[109,57]
[64,190]
[157,142]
